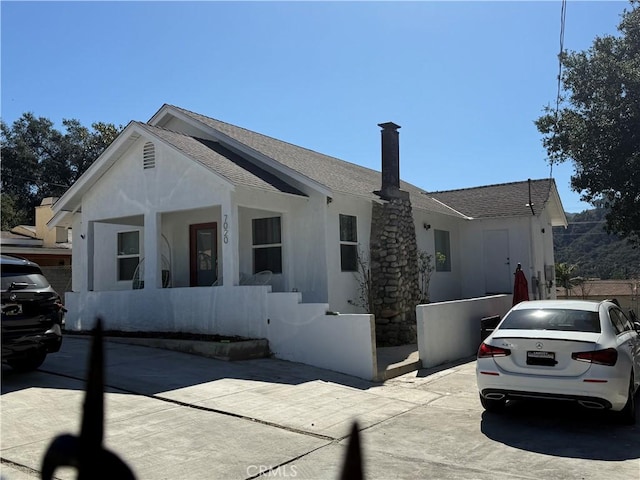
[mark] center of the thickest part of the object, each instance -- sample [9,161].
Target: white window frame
[256,246]
[446,265]
[123,256]
[351,243]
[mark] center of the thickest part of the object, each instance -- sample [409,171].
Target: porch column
[152,258]
[89,250]
[229,242]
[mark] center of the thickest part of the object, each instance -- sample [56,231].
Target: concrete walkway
[172,415]
[392,361]
[396,361]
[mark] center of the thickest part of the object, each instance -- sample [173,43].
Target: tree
[39,161]
[564,277]
[597,124]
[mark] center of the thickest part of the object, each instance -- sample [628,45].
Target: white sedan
[573,350]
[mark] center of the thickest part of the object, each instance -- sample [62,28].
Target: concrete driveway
[171,415]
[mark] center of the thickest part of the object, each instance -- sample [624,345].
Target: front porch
[191,248]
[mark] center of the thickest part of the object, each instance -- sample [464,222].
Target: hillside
[597,254]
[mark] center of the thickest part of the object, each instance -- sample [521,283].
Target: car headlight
[54,330]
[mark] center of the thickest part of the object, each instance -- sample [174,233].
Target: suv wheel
[27,364]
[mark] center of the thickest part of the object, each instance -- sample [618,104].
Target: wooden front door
[203,248]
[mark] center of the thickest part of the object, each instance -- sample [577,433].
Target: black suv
[32,314]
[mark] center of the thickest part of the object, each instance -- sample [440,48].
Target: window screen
[267,245]
[348,243]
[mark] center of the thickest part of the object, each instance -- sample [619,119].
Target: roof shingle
[224,162]
[503,200]
[338,175]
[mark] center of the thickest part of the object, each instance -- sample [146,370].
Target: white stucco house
[174,220]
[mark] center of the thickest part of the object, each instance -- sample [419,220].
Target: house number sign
[225,230]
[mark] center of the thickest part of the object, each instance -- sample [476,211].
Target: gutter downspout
[530,202]
[532,254]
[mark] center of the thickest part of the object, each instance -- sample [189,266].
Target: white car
[573,350]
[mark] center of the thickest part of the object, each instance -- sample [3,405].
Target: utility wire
[563,15]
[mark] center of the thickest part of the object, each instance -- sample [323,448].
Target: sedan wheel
[628,413]
[29,363]
[493,405]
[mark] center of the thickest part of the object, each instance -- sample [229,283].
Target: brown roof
[504,200]
[338,175]
[221,160]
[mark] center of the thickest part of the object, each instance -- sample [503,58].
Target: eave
[71,202]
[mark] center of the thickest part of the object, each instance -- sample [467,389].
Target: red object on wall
[520,287]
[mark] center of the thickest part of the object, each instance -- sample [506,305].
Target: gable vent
[149,156]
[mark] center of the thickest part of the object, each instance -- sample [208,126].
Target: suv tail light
[608,356]
[490,351]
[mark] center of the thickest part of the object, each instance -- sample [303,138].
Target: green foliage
[11,216]
[365,287]
[39,161]
[586,244]
[564,275]
[425,269]
[598,125]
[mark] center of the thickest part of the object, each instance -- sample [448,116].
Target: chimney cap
[389,126]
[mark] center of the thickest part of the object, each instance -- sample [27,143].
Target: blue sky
[465,80]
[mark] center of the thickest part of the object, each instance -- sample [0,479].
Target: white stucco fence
[304,333]
[450,331]
[224,311]
[298,332]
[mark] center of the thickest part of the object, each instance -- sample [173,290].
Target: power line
[586,221]
[563,234]
[563,15]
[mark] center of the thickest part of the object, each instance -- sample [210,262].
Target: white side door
[497,264]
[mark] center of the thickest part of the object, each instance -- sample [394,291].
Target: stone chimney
[390,159]
[393,251]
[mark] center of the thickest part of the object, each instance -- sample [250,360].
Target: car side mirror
[636,325]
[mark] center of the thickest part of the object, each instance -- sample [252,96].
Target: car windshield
[21,275]
[552,319]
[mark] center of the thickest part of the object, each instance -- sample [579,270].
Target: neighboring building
[627,292]
[178,212]
[50,248]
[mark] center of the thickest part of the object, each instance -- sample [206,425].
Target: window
[443,251]
[29,274]
[128,254]
[619,321]
[552,319]
[148,155]
[267,245]
[348,243]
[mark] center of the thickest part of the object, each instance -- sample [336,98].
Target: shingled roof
[338,175]
[503,200]
[251,159]
[223,161]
